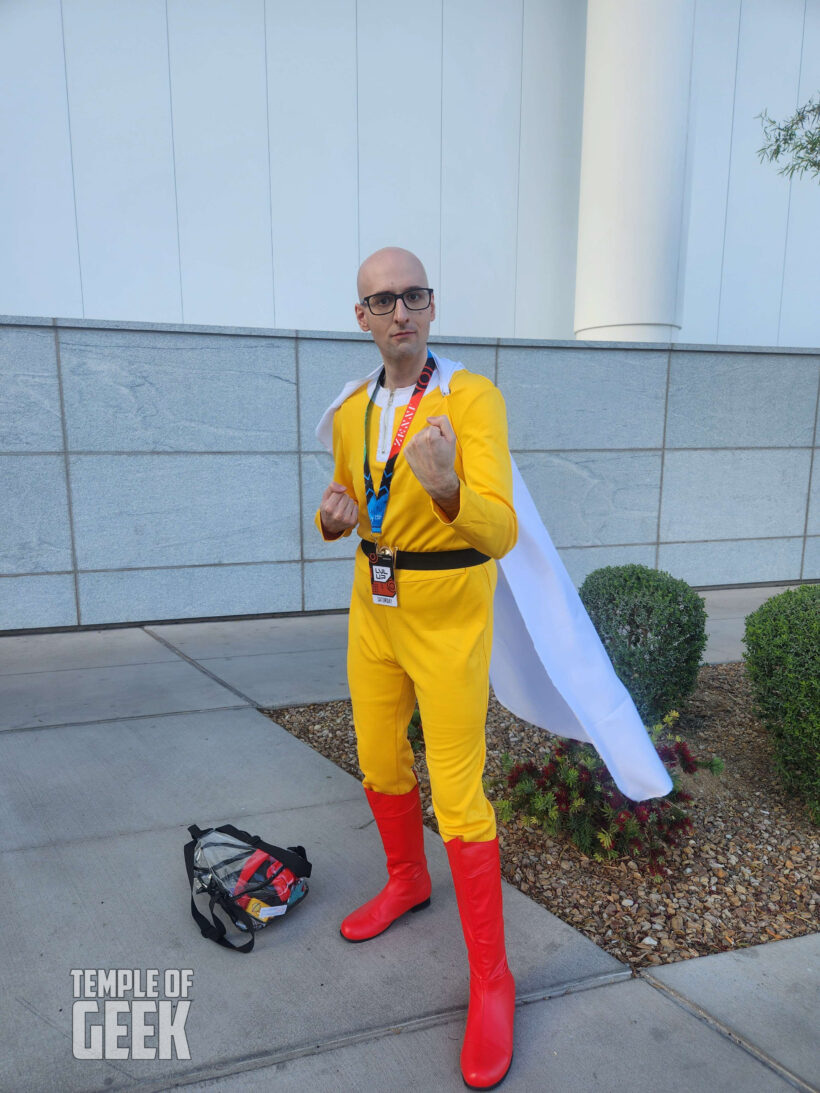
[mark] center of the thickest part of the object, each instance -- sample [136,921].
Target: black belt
[430,559]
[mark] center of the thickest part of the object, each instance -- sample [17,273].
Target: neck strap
[377,502]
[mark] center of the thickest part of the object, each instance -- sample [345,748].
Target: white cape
[549,666]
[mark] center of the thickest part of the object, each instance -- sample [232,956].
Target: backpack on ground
[239,883]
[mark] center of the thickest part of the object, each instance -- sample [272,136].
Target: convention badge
[383,579]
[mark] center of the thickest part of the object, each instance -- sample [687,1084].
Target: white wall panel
[119,104]
[800,310]
[38,237]
[552,88]
[400,133]
[758,197]
[717,26]
[481,98]
[217,53]
[232,163]
[313,148]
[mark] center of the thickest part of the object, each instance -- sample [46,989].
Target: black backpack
[239,883]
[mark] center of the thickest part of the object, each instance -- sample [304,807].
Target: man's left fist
[432,456]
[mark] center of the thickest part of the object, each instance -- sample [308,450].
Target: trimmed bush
[653,627]
[782,657]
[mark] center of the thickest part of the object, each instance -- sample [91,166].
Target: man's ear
[361,317]
[432,306]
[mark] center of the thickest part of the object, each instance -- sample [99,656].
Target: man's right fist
[338,511]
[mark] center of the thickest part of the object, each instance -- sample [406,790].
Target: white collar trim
[324,430]
[401,395]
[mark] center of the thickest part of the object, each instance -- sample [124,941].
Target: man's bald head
[401,334]
[386,268]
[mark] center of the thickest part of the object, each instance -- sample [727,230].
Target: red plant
[574,792]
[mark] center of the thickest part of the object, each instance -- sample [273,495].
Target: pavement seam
[218,679]
[129,717]
[173,659]
[85,668]
[265,1060]
[728,1033]
[283,652]
[197,665]
[574,986]
[263,710]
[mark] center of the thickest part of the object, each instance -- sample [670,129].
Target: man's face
[402,335]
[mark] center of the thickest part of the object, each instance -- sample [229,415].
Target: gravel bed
[748,873]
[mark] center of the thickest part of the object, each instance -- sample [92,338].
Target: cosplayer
[423,472]
[425,622]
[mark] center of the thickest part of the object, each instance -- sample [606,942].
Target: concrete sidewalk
[113,741]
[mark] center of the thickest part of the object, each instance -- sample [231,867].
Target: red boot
[398,817]
[488,1039]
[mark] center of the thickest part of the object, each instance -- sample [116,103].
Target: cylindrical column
[633,183]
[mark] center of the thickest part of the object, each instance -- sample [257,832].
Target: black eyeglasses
[414,299]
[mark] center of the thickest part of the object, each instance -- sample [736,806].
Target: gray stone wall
[152,471]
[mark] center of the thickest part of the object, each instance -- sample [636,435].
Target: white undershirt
[388,401]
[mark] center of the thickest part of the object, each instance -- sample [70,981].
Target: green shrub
[782,659]
[653,627]
[573,793]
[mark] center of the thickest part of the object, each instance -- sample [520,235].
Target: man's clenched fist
[431,455]
[338,511]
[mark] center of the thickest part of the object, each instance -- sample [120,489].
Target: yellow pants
[435,648]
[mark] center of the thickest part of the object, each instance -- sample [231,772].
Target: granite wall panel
[741,400]
[183,509]
[29,391]
[190,592]
[34,529]
[162,392]
[733,561]
[583,398]
[734,493]
[195,473]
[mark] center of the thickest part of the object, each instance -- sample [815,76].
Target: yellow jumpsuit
[435,646]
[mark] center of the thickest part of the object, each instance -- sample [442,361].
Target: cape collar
[324,430]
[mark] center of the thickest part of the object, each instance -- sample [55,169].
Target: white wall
[231,163]
[752,276]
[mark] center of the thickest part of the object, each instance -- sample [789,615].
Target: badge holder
[383,577]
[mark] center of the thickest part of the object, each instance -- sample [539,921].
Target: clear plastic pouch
[239,883]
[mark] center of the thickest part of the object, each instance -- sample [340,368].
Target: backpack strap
[294,857]
[215,930]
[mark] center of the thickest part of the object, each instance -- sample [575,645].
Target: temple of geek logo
[130,1013]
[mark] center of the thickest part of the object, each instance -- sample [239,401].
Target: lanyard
[377,502]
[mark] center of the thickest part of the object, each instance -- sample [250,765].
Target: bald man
[423,472]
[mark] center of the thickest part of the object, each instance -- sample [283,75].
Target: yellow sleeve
[486,518]
[341,474]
